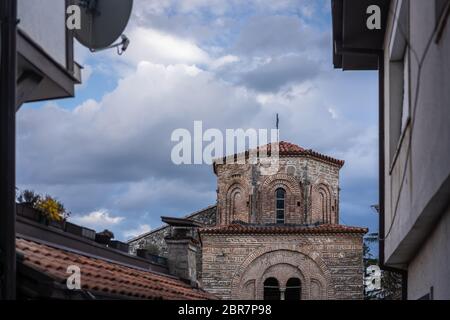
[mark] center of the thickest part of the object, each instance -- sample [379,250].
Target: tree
[47,206]
[51,208]
[28,197]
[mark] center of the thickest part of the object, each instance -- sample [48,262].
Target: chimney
[183,249]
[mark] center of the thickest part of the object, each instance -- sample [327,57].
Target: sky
[106,154]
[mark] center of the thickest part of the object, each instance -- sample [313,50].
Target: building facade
[46,68]
[278,236]
[412,54]
[37,64]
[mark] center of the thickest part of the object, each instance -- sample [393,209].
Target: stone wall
[311,185]
[155,238]
[182,258]
[330,266]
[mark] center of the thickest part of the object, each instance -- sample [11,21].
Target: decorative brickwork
[283,228]
[329,266]
[294,203]
[311,185]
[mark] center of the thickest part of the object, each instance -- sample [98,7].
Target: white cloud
[185,65]
[221,7]
[333,113]
[86,74]
[223,61]
[100,219]
[132,233]
[126,136]
[163,48]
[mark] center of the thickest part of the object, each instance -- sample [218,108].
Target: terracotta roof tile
[287,149]
[282,229]
[103,276]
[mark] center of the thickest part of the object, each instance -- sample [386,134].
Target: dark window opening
[293,289]
[440,6]
[280,204]
[271,289]
[442,13]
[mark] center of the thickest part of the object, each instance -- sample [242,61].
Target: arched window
[293,289]
[325,204]
[280,196]
[237,205]
[271,289]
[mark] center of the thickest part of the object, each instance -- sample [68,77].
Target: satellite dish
[102,23]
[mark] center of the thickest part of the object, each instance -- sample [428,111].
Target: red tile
[285,229]
[106,277]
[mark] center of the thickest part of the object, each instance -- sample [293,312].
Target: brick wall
[329,266]
[312,192]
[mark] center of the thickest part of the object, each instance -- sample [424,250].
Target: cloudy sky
[229,63]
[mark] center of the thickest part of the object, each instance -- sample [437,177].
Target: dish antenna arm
[121,46]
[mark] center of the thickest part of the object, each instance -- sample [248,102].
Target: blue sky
[231,64]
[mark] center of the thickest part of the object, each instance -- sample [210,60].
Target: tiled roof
[106,277]
[287,149]
[282,229]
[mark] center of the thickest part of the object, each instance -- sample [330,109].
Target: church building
[272,237]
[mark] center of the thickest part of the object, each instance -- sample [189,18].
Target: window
[405,105]
[293,289]
[271,289]
[442,9]
[280,196]
[398,84]
[400,103]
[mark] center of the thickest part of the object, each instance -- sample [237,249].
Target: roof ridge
[92,256]
[247,228]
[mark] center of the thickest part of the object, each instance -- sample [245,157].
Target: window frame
[399,68]
[279,210]
[442,11]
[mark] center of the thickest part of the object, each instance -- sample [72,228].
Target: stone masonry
[329,266]
[155,238]
[312,197]
[276,236]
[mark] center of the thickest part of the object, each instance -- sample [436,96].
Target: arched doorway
[271,289]
[293,289]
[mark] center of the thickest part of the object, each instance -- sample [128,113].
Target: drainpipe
[8,18]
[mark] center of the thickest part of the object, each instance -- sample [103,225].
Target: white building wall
[431,267]
[417,230]
[44,22]
[428,159]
